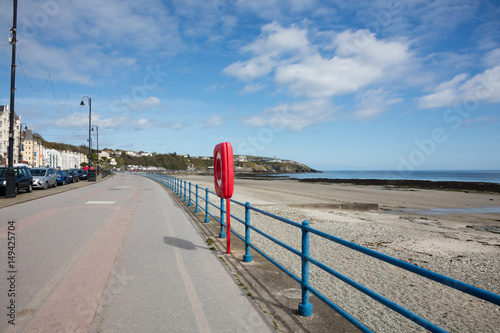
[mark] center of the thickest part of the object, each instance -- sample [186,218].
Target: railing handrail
[176,185]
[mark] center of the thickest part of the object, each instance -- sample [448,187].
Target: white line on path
[202,321]
[100,202]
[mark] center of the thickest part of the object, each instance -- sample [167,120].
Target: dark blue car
[63,178]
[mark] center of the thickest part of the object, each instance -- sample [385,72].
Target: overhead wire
[49,79]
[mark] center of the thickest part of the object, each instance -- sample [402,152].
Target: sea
[481,176]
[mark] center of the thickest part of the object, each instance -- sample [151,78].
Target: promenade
[122,255]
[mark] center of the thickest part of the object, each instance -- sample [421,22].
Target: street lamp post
[90,126]
[97,130]
[10,175]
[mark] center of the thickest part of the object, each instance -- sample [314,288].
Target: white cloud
[481,121]
[147,103]
[250,69]
[446,93]
[273,44]
[319,77]
[214,121]
[276,40]
[273,9]
[491,58]
[482,87]
[359,59]
[251,88]
[295,116]
[373,103]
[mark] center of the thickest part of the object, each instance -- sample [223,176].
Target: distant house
[104,153]
[131,153]
[240,158]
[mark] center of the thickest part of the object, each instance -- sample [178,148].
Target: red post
[228,236]
[224,180]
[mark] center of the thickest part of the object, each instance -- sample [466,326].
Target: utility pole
[10,175]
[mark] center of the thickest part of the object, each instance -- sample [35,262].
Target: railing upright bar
[222,233]
[189,202]
[185,188]
[196,209]
[206,206]
[247,257]
[305,307]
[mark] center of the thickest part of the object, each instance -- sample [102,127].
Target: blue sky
[408,85]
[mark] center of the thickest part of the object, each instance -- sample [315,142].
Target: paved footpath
[116,256]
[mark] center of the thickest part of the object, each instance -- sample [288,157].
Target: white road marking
[100,202]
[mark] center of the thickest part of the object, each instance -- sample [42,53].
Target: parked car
[62,177]
[73,173]
[84,175]
[44,178]
[71,176]
[23,179]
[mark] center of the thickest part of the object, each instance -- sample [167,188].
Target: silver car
[44,178]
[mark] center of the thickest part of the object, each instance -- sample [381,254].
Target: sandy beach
[462,243]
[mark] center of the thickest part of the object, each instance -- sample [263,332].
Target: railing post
[247,257]
[305,307]
[189,202]
[196,209]
[185,186]
[222,233]
[206,206]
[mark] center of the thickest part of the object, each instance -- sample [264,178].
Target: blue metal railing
[184,191]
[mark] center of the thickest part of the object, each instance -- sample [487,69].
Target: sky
[337,85]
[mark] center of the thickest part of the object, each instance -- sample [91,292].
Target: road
[116,256]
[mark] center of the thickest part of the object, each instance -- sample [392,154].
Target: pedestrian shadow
[181,243]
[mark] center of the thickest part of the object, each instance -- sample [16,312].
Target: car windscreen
[2,172]
[38,172]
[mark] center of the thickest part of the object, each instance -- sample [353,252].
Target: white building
[132,153]
[240,158]
[52,158]
[4,135]
[104,153]
[70,160]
